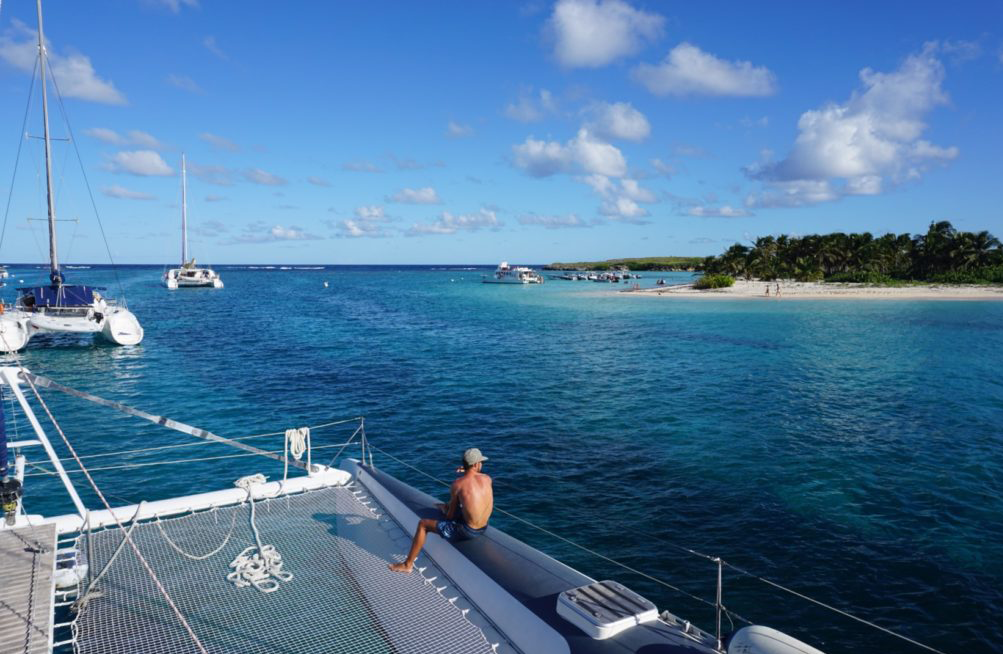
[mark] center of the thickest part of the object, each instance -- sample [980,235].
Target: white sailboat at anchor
[189,275]
[59,307]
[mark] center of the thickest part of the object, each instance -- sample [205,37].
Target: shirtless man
[466,516]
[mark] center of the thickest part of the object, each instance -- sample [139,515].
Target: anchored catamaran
[59,307]
[189,275]
[298,565]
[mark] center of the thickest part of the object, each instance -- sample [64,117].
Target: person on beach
[767,290]
[471,501]
[778,290]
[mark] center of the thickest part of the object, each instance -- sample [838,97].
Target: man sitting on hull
[466,516]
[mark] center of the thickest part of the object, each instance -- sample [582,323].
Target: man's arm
[454,503]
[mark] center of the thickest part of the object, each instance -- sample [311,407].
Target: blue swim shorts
[457,530]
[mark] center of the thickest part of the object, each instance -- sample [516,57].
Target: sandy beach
[821,291]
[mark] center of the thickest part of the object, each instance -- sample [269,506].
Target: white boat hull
[116,325]
[193,278]
[14,331]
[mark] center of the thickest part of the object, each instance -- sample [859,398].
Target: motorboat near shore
[506,274]
[232,570]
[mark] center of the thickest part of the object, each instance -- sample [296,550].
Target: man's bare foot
[401,567]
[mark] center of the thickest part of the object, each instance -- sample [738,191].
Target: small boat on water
[506,274]
[4,274]
[189,275]
[59,307]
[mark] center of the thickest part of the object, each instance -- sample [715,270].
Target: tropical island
[689,264]
[943,262]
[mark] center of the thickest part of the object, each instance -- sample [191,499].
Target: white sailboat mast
[184,212]
[53,256]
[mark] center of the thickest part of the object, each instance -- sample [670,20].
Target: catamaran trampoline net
[342,597]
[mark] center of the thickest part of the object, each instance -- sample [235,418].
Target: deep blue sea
[851,450]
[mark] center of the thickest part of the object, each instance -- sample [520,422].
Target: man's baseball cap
[472,457]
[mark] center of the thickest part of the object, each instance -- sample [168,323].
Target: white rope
[262,568]
[297,442]
[93,591]
[97,491]
[196,557]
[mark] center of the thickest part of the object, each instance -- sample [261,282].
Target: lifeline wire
[104,501]
[659,581]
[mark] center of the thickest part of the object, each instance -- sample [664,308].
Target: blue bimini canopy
[59,296]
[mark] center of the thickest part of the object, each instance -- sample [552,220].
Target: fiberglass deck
[27,558]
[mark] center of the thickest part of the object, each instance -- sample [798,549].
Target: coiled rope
[104,501]
[262,568]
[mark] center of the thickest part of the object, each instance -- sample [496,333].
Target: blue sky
[457,132]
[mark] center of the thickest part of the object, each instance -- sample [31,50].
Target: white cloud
[619,120]
[212,174]
[361,167]
[457,131]
[318,181]
[125,194]
[622,207]
[215,198]
[73,74]
[688,70]
[426,195]
[794,193]
[219,142]
[448,223]
[593,33]
[621,198]
[263,177]
[585,152]
[553,222]
[173,6]
[132,137]
[369,221]
[140,162]
[531,108]
[144,140]
[260,233]
[666,169]
[854,148]
[210,44]
[184,83]
[718,212]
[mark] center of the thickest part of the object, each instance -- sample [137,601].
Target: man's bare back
[471,501]
[475,499]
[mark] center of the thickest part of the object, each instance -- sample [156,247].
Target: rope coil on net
[258,565]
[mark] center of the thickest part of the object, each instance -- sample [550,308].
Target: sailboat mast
[53,257]
[184,212]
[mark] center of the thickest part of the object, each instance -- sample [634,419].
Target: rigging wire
[20,142]
[659,581]
[104,501]
[87,184]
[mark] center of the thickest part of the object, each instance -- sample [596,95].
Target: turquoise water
[851,450]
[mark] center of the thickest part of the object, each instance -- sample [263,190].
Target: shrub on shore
[714,281]
[861,277]
[986,275]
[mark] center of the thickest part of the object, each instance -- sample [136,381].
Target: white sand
[820,291]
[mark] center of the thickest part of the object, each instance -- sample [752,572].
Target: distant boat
[189,275]
[59,307]
[506,274]
[4,274]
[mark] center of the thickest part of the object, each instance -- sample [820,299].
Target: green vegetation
[943,255]
[646,263]
[714,281]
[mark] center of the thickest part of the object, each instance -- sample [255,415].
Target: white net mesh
[342,597]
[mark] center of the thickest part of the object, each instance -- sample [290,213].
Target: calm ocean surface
[851,450]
